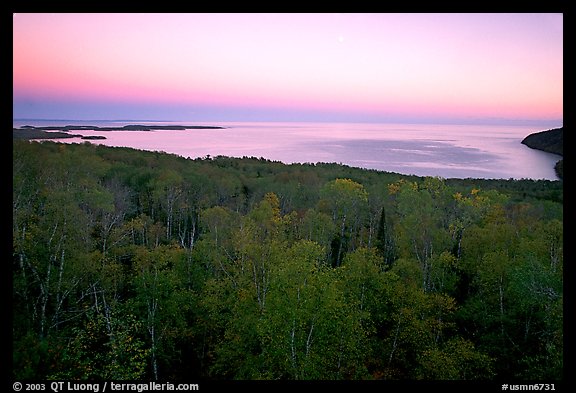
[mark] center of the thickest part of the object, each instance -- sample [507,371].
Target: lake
[449,151]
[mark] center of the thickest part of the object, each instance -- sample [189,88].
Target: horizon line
[484,121]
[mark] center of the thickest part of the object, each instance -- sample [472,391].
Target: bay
[444,150]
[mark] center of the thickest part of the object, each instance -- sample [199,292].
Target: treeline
[144,265]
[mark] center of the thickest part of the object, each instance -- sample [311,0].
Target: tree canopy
[145,265]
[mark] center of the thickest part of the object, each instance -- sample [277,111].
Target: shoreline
[425,151]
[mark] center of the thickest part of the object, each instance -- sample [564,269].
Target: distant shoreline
[59,132]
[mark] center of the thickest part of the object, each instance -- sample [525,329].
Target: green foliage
[103,348]
[347,202]
[309,330]
[144,265]
[456,360]
[33,356]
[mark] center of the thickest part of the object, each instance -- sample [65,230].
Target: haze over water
[449,151]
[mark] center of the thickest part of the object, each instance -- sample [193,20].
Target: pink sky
[355,67]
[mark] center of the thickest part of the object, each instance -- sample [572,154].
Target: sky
[469,68]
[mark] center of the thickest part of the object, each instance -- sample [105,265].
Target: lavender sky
[469,68]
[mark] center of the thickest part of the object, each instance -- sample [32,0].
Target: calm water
[449,151]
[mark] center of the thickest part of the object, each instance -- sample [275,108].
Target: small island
[550,141]
[59,132]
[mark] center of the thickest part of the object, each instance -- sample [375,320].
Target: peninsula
[551,141]
[58,132]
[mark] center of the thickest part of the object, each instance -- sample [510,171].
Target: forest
[137,265]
